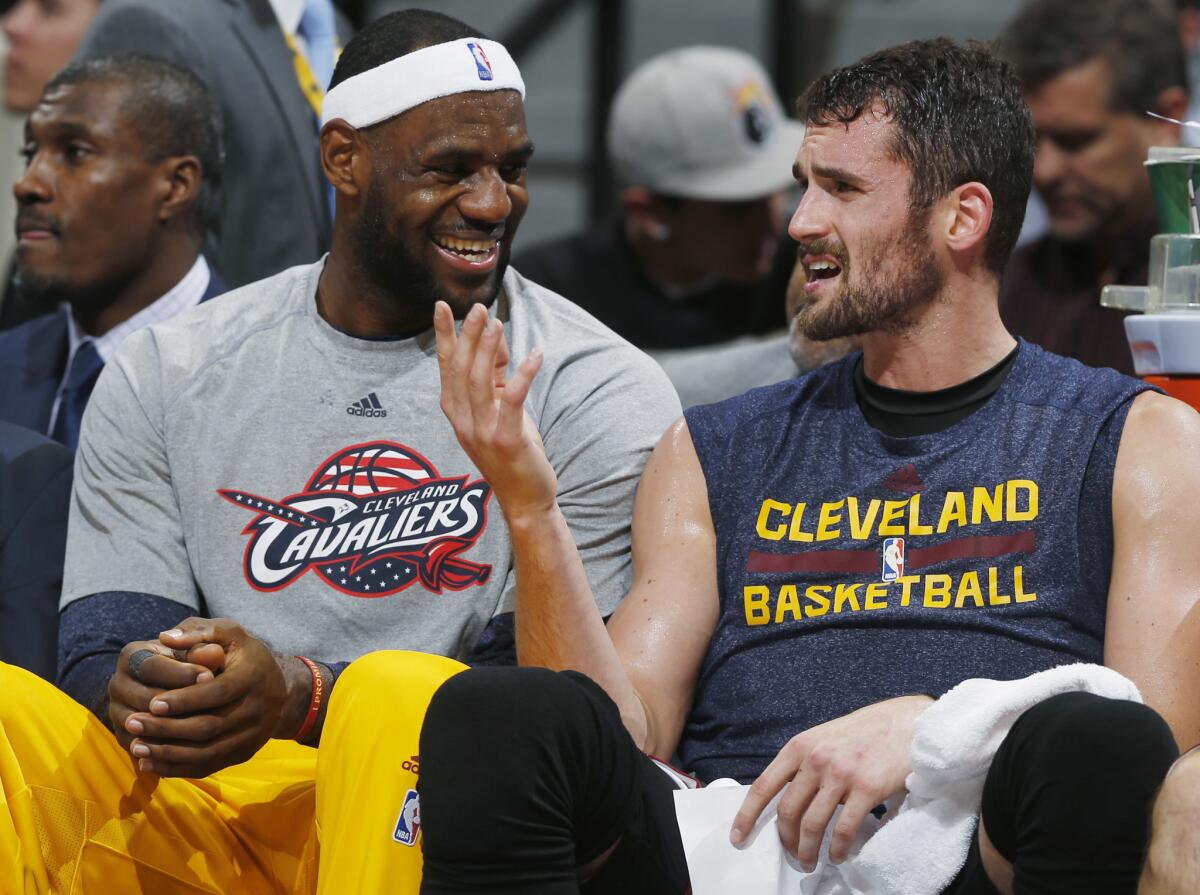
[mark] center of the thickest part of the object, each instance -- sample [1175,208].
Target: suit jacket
[35,493]
[273,213]
[33,359]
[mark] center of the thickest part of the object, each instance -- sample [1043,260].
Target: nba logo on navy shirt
[482,66]
[408,825]
[893,558]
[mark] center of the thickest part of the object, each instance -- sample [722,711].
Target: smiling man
[278,458]
[816,560]
[1090,73]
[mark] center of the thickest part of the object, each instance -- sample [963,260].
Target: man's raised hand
[857,761]
[487,410]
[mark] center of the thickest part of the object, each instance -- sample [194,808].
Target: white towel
[954,742]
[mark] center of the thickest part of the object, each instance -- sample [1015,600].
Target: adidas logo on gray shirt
[368,406]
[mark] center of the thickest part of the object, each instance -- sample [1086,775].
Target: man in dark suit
[35,487]
[123,162]
[275,211]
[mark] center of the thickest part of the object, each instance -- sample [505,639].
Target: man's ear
[1171,103]
[345,157]
[966,217]
[182,179]
[645,212]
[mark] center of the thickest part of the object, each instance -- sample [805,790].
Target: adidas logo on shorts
[368,406]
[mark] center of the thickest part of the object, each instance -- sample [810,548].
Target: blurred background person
[123,168]
[1090,73]
[35,490]
[697,254]
[40,36]
[708,375]
[267,63]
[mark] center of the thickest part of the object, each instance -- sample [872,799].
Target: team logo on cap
[373,519]
[408,824]
[751,103]
[482,66]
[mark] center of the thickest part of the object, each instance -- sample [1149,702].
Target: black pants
[1068,797]
[528,775]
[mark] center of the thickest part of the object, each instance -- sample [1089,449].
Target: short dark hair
[397,34]
[172,113]
[958,117]
[1139,39]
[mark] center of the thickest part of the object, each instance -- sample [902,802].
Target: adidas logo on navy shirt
[368,406]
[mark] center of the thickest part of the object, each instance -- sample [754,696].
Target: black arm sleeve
[93,630]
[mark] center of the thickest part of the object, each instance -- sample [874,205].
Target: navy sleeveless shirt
[854,566]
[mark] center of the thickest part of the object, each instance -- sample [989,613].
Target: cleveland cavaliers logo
[373,519]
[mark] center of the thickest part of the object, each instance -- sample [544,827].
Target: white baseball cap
[702,123]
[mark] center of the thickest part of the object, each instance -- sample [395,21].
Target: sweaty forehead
[477,116]
[865,146]
[95,106]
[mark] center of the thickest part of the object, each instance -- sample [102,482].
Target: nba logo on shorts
[482,67]
[893,558]
[408,825]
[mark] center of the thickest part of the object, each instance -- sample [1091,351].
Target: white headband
[392,88]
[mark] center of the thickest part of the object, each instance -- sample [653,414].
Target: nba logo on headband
[482,66]
[394,87]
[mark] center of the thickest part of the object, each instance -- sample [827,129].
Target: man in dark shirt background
[698,254]
[1090,73]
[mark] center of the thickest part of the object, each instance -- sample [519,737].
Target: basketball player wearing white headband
[270,483]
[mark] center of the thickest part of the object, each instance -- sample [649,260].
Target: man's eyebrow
[62,130]
[836,174]
[1070,129]
[464,154]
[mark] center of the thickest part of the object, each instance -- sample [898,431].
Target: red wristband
[314,707]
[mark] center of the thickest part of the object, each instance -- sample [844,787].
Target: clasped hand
[857,761]
[209,696]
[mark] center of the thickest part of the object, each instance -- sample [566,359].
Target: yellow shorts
[76,816]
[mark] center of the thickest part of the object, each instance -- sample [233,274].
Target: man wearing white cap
[697,255]
[280,460]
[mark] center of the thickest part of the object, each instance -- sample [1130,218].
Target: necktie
[319,29]
[81,378]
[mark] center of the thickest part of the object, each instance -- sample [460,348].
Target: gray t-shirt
[713,373]
[251,461]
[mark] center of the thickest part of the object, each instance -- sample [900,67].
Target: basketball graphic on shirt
[373,469]
[372,520]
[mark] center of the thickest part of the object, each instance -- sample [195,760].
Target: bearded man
[279,459]
[816,560]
